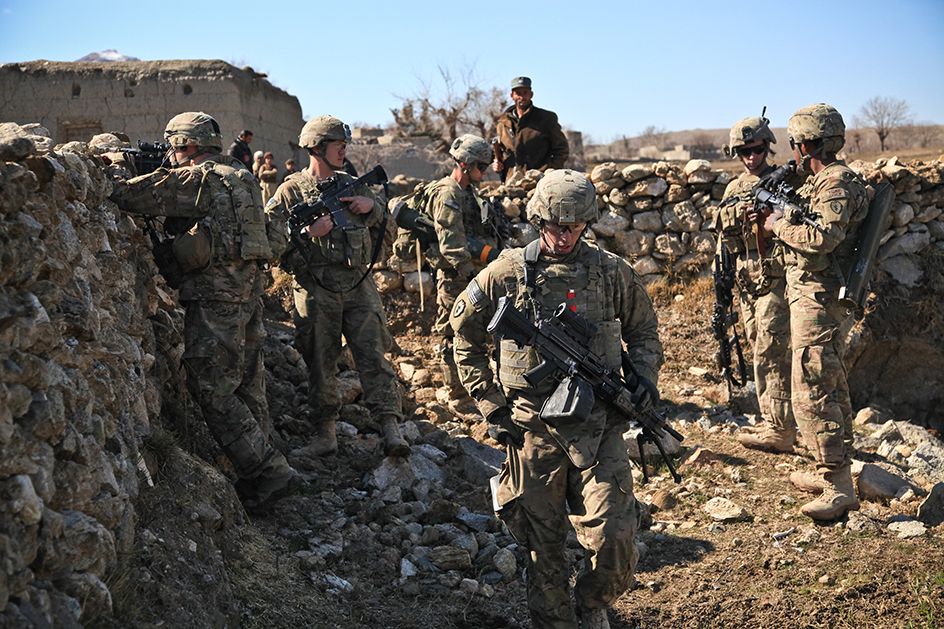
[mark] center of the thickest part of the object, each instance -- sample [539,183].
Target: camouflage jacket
[840,198]
[601,286]
[533,141]
[729,221]
[458,212]
[343,253]
[199,193]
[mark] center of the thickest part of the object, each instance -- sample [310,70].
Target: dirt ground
[202,562]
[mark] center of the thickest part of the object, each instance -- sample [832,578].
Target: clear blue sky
[607,68]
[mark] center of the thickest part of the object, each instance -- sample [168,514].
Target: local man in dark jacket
[240,148]
[528,137]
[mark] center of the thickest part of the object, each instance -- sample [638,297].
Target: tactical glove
[644,394]
[502,429]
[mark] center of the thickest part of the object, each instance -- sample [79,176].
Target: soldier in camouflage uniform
[457,211]
[333,294]
[816,262]
[573,472]
[215,207]
[764,309]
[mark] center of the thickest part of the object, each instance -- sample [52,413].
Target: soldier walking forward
[568,475]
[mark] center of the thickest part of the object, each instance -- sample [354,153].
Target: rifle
[563,341]
[148,157]
[303,214]
[772,191]
[725,317]
[424,230]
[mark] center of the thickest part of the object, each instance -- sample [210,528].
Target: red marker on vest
[570,300]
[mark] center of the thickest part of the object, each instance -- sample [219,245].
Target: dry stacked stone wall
[76,346]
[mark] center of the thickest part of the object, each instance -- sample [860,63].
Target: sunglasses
[744,151]
[481,166]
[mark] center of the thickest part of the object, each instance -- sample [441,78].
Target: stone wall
[76,101]
[660,215]
[76,345]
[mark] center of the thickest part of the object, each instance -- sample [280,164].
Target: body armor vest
[585,280]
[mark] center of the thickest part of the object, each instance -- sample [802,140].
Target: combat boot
[269,490]
[811,482]
[768,438]
[838,497]
[324,441]
[593,619]
[394,444]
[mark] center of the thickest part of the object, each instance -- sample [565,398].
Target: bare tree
[921,135]
[653,136]
[884,115]
[454,104]
[702,145]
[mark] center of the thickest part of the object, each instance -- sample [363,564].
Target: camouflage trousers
[321,318]
[226,376]
[767,325]
[821,401]
[539,490]
[448,288]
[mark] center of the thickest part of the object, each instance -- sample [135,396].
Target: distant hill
[108,55]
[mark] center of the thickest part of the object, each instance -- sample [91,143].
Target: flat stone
[909,528]
[724,510]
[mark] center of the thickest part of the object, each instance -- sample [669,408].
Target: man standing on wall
[529,137]
[240,148]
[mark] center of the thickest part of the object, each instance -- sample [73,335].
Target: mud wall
[76,101]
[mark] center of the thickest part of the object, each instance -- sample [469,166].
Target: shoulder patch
[459,309]
[272,201]
[452,203]
[476,295]
[835,193]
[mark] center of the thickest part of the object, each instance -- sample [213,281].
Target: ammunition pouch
[193,249]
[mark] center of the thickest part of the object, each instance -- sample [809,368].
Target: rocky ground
[379,543]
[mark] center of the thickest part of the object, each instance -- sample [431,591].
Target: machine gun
[773,192]
[563,341]
[725,317]
[421,226]
[332,190]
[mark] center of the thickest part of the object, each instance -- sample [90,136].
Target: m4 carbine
[773,192]
[332,190]
[563,341]
[421,226]
[725,317]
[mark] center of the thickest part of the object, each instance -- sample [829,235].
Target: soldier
[334,294]
[552,474]
[457,211]
[815,264]
[217,210]
[530,137]
[764,309]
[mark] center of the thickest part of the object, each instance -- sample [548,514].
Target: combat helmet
[816,122]
[563,197]
[471,149]
[323,129]
[194,128]
[747,131]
